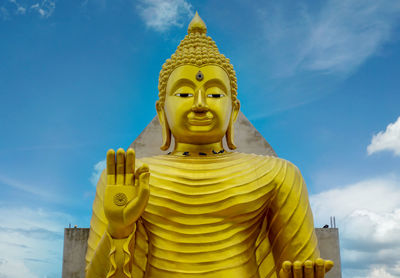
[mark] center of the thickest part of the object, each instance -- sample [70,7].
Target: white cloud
[368,217]
[21,10]
[163,14]
[388,140]
[45,8]
[31,242]
[379,273]
[335,38]
[97,169]
[14,269]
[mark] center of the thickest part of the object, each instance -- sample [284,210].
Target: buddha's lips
[200,118]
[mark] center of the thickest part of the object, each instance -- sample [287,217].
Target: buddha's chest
[212,228]
[205,221]
[206,204]
[233,188]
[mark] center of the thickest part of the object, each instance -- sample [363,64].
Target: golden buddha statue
[201,211]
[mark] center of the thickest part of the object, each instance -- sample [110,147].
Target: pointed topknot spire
[197,25]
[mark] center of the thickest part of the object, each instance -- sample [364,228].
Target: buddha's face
[198,104]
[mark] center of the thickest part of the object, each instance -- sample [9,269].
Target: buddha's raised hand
[127,192]
[308,269]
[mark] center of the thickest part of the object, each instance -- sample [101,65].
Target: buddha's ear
[230,130]
[166,132]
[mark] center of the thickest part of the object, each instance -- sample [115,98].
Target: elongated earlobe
[229,137]
[166,132]
[230,131]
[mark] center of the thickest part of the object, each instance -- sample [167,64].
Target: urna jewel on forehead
[196,49]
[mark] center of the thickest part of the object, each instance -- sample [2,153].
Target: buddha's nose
[200,102]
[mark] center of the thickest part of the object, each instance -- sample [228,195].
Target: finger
[129,166]
[308,269]
[319,268]
[120,166]
[135,208]
[286,271]
[144,181]
[111,167]
[140,170]
[297,269]
[328,265]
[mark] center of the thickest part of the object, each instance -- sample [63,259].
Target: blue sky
[318,79]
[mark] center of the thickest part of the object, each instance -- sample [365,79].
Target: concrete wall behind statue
[75,245]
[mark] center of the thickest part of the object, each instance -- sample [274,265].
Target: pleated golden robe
[231,215]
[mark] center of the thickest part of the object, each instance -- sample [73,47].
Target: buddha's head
[197,92]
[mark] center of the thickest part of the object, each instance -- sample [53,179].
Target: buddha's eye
[183,95]
[215,95]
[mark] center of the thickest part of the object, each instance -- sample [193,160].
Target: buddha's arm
[117,207]
[291,225]
[103,251]
[112,257]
